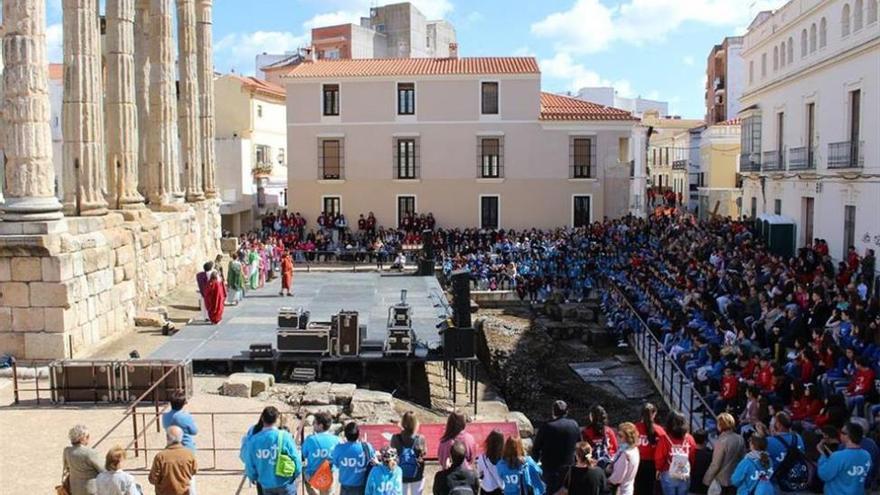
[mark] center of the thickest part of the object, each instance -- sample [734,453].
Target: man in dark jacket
[459,479]
[554,446]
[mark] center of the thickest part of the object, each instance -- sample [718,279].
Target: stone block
[526,430]
[341,393]
[50,294]
[60,319]
[149,319]
[229,245]
[236,387]
[5,320]
[5,270]
[333,410]
[28,319]
[12,344]
[124,254]
[14,294]
[118,275]
[26,269]
[57,268]
[90,260]
[130,271]
[372,406]
[45,346]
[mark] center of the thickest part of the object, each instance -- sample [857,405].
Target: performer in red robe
[286,274]
[215,298]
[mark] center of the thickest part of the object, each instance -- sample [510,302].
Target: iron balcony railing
[750,162]
[679,165]
[802,158]
[773,160]
[846,154]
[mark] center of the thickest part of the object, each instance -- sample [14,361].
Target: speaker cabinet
[459,343]
[461,298]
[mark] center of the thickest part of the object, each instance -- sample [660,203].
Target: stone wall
[66,286]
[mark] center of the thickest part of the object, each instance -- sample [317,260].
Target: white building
[609,97]
[810,119]
[251,149]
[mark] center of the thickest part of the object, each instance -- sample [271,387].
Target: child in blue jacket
[352,458]
[387,477]
[753,473]
[317,448]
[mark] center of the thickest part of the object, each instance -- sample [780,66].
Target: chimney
[453,50]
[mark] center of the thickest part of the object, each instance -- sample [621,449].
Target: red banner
[380,435]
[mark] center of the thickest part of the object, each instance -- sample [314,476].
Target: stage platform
[255,319]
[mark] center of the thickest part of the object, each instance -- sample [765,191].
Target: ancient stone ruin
[138,213]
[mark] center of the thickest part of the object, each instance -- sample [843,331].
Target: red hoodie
[663,452]
[862,382]
[589,434]
[729,387]
[646,448]
[764,380]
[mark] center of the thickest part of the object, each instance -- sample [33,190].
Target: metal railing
[773,160]
[677,389]
[353,258]
[750,162]
[846,154]
[802,158]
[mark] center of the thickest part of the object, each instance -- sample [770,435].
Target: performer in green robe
[235,279]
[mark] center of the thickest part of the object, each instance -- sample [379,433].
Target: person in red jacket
[675,455]
[601,437]
[860,386]
[729,391]
[806,406]
[650,435]
[764,378]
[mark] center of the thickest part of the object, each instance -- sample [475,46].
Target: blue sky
[652,48]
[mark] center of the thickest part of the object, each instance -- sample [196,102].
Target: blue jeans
[672,486]
[288,489]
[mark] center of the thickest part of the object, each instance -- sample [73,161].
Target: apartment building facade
[725,79]
[662,148]
[717,188]
[810,145]
[251,143]
[472,140]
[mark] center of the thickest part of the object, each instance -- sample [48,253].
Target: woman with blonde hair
[411,449]
[82,464]
[729,449]
[626,463]
[115,481]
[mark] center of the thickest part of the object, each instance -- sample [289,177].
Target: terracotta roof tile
[560,107]
[414,67]
[733,121]
[260,86]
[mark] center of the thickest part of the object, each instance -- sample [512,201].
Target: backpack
[600,452]
[680,462]
[408,459]
[795,473]
[322,479]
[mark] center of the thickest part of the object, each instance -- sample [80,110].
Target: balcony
[846,154]
[773,161]
[679,165]
[802,158]
[750,162]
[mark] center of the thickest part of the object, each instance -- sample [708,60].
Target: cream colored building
[810,120]
[662,152]
[717,187]
[472,140]
[251,149]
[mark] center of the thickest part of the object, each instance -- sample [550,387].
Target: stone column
[205,51]
[164,190]
[142,89]
[29,176]
[122,128]
[190,136]
[82,115]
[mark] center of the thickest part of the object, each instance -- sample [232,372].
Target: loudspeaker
[428,244]
[461,298]
[426,267]
[459,343]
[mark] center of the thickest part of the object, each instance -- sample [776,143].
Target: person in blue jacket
[352,460]
[513,469]
[845,471]
[753,473]
[178,417]
[261,455]
[317,448]
[386,478]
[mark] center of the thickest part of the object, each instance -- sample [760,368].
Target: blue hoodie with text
[845,471]
[261,454]
[513,478]
[385,481]
[751,475]
[316,449]
[351,460]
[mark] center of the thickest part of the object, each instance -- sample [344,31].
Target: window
[330,54]
[803,43]
[811,132]
[849,227]
[581,158]
[406,99]
[405,159]
[259,111]
[780,138]
[855,117]
[790,50]
[763,65]
[331,205]
[490,158]
[813,38]
[406,206]
[261,153]
[751,71]
[489,98]
[281,156]
[823,33]
[331,100]
[872,11]
[775,58]
[858,14]
[580,211]
[807,209]
[777,206]
[754,207]
[330,159]
[489,212]
[844,20]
